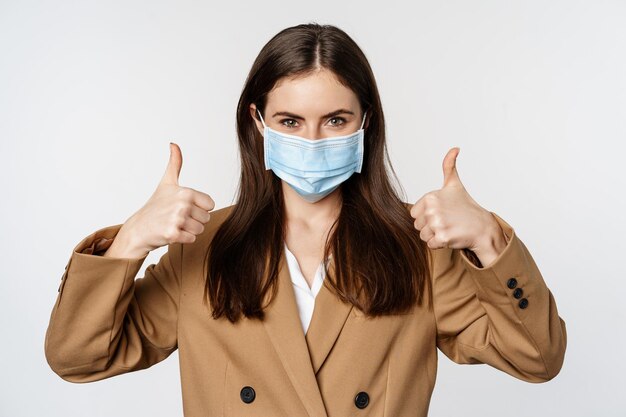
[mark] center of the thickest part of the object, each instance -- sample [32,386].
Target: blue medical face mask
[313,167]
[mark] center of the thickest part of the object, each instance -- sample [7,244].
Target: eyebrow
[295,116]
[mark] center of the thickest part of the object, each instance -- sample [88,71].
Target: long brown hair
[381,264]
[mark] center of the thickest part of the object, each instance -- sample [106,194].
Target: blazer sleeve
[104,321]
[503,315]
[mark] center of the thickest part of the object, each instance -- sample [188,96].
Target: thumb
[173,166]
[450,174]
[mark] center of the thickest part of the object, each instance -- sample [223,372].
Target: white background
[533,92]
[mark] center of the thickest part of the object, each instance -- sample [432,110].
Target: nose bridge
[314,132]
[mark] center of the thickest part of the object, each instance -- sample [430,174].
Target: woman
[237,290]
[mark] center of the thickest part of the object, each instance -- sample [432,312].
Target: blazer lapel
[283,326]
[329,317]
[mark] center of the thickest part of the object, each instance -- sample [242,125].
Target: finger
[450,174]
[191,225]
[426,233]
[441,237]
[203,200]
[199,214]
[172,172]
[435,242]
[420,222]
[417,212]
[185,237]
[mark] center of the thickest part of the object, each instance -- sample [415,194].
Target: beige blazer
[105,322]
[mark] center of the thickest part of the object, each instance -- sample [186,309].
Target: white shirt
[305,295]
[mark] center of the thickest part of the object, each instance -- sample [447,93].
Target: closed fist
[173,214]
[449,217]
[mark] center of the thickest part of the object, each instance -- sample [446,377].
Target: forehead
[313,94]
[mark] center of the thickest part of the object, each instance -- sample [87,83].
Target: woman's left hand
[451,218]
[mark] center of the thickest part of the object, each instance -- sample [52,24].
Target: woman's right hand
[173,214]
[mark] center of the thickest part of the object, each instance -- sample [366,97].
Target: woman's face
[314,107]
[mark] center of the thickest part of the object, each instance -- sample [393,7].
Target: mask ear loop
[363,122]
[262,121]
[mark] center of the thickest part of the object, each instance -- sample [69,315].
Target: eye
[289,126]
[343,121]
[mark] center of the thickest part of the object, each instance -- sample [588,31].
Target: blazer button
[518,293]
[247,394]
[523,303]
[511,283]
[362,399]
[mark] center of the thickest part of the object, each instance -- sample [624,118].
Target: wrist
[126,245]
[492,242]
